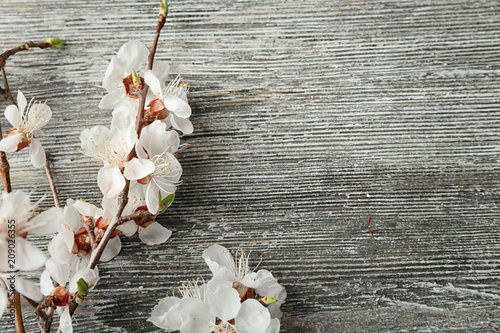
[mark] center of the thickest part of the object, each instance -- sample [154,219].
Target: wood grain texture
[310,117]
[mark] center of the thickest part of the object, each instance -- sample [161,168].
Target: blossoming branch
[138,178]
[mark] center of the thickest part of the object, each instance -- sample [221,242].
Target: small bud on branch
[163,8]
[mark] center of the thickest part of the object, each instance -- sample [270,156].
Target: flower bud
[55,43]
[59,296]
[82,285]
[267,300]
[164,8]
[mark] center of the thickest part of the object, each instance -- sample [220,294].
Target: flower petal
[112,249]
[252,318]
[220,262]
[178,106]
[152,197]
[181,124]
[59,271]
[47,222]
[91,276]
[132,55]
[61,246]
[28,256]
[46,285]
[153,83]
[21,101]
[92,140]
[138,168]
[65,321]
[154,234]
[161,70]
[154,140]
[110,180]
[224,301]
[13,116]
[37,154]
[258,279]
[86,209]
[128,228]
[38,116]
[113,76]
[10,143]
[274,326]
[113,97]
[28,289]
[159,314]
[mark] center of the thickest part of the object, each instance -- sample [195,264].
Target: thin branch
[51,180]
[44,318]
[4,163]
[18,313]
[161,22]
[6,90]
[136,215]
[33,303]
[89,226]
[26,46]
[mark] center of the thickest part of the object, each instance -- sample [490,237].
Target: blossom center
[133,88]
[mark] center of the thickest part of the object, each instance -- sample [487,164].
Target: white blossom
[155,167]
[212,307]
[131,57]
[111,147]
[237,270]
[170,103]
[27,121]
[17,211]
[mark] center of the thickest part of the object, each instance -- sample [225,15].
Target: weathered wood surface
[310,117]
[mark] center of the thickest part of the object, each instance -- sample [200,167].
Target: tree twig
[6,90]
[51,180]
[4,163]
[18,313]
[26,46]
[139,214]
[33,303]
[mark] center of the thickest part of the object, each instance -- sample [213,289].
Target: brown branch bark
[4,163]
[53,189]
[139,214]
[26,46]
[18,316]
[6,90]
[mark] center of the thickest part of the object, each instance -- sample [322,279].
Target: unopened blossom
[250,284]
[170,103]
[111,147]
[17,210]
[119,81]
[27,120]
[155,167]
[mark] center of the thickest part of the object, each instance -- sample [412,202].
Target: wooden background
[310,116]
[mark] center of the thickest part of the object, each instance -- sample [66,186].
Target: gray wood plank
[310,117]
